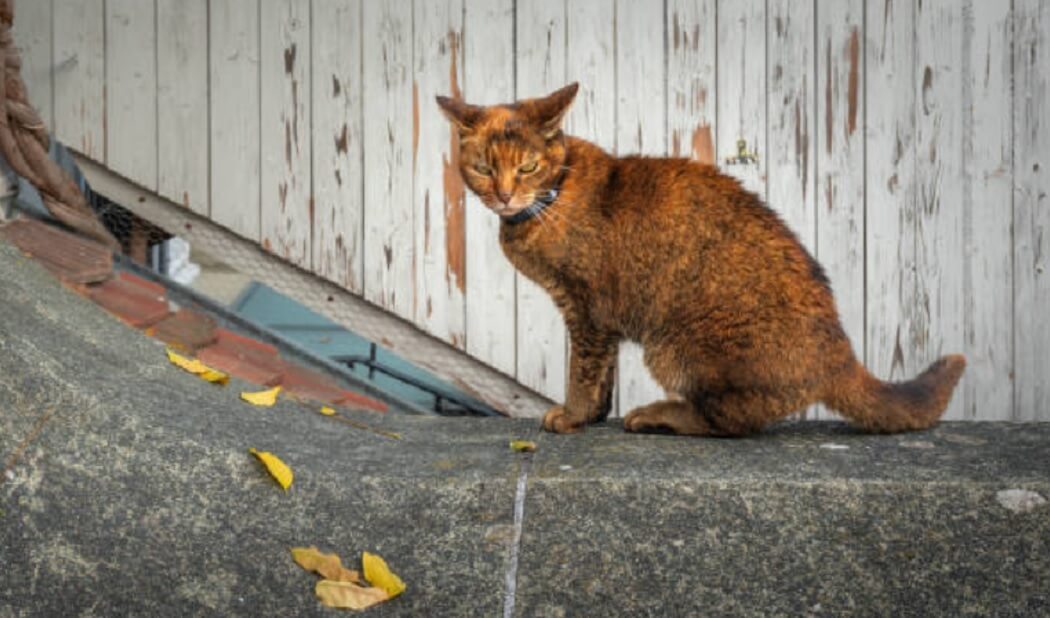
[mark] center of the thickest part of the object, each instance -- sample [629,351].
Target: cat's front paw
[557,420]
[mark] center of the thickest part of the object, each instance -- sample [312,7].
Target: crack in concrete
[511,587]
[33,434]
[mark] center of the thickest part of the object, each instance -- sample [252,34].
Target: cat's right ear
[463,116]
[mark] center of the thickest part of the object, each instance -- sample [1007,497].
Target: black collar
[535,208]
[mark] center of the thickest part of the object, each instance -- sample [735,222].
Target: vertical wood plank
[742,89]
[891,196]
[32,32]
[938,134]
[792,125]
[79,78]
[286,205]
[691,87]
[439,194]
[233,43]
[641,113]
[182,102]
[541,336]
[389,230]
[988,168]
[1031,210]
[131,90]
[591,61]
[840,159]
[338,180]
[488,74]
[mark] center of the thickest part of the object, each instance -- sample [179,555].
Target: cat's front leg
[591,368]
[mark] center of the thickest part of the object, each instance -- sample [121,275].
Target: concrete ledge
[128,490]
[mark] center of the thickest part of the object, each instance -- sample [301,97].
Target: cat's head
[511,154]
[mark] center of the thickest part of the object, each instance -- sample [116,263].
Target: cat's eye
[528,168]
[482,169]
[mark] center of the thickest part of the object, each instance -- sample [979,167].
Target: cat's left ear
[549,111]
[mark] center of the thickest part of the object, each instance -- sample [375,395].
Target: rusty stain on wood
[801,144]
[703,144]
[927,84]
[415,122]
[288,143]
[854,79]
[388,253]
[295,111]
[341,144]
[426,221]
[455,198]
[336,87]
[289,59]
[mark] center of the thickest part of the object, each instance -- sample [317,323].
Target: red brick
[312,385]
[185,330]
[138,302]
[359,401]
[65,254]
[316,386]
[244,345]
[243,357]
[246,368]
[140,285]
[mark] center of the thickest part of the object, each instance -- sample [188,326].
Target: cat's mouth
[511,208]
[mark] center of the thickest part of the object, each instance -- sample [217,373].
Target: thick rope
[24,143]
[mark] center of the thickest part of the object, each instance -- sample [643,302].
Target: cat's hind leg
[671,415]
[740,412]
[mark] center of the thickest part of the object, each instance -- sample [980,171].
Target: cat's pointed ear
[549,111]
[460,114]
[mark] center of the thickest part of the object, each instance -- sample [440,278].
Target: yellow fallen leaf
[379,575]
[522,446]
[262,398]
[327,411]
[197,368]
[214,375]
[348,595]
[277,468]
[328,566]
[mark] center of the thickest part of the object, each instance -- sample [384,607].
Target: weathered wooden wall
[906,142]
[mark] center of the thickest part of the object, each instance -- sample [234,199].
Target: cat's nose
[504,196]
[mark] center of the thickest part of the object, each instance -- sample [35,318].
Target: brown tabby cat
[737,320]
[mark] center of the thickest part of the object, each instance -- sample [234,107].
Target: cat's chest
[538,254]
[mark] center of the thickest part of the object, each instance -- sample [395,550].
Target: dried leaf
[262,398]
[277,468]
[328,566]
[327,411]
[348,595]
[522,446]
[197,368]
[379,574]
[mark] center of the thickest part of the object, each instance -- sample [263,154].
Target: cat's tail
[889,407]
